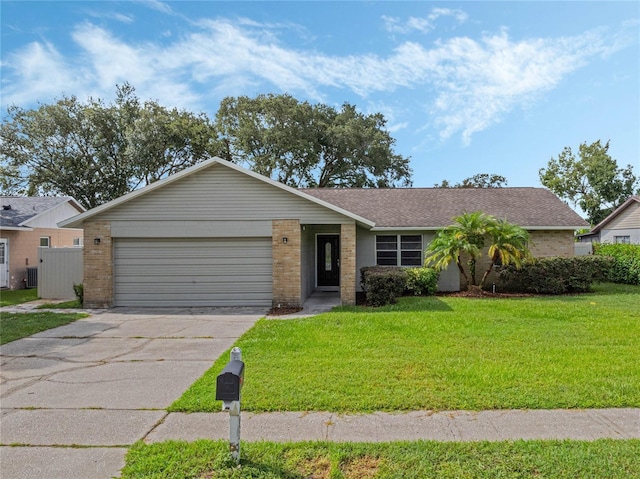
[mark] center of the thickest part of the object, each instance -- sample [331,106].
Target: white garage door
[193,272]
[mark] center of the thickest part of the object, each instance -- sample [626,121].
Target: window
[77,242]
[45,241]
[622,239]
[399,250]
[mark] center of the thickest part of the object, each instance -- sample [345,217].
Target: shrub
[421,281]
[555,275]
[625,260]
[78,289]
[383,284]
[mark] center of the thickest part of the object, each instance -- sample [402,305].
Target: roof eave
[16,228]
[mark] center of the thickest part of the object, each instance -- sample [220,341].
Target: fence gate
[58,270]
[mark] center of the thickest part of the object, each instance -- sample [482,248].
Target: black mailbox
[230,381]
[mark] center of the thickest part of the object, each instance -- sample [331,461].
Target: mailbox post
[228,387]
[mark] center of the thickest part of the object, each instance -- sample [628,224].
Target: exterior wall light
[96,241]
[285,239]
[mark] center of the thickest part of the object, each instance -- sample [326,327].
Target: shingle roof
[15,210]
[535,208]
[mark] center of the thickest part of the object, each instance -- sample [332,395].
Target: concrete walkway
[105,382]
[102,382]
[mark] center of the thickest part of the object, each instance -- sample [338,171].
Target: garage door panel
[193,272]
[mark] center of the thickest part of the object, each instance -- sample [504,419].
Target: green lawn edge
[14,326]
[548,352]
[558,459]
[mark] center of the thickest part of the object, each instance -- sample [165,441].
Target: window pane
[411,242]
[387,242]
[44,241]
[327,256]
[411,258]
[387,258]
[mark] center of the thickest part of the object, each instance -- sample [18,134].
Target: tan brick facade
[98,265]
[348,264]
[543,244]
[287,282]
[23,249]
[552,243]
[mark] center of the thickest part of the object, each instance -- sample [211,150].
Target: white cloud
[466,84]
[421,24]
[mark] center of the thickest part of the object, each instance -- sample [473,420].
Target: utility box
[229,382]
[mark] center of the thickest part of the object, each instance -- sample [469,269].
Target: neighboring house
[621,226]
[27,223]
[219,235]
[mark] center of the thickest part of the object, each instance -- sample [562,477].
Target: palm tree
[508,245]
[469,235]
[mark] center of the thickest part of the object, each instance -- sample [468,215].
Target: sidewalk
[582,424]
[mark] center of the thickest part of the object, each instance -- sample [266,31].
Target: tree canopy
[96,152]
[481,180]
[304,145]
[592,180]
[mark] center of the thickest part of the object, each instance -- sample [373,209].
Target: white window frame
[48,238]
[399,249]
[78,242]
[623,239]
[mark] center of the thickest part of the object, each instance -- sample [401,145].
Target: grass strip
[604,459]
[21,325]
[17,296]
[442,353]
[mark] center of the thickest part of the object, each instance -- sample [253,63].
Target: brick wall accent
[287,280]
[543,244]
[98,265]
[552,243]
[348,264]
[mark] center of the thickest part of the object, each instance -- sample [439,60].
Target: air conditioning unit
[32,277]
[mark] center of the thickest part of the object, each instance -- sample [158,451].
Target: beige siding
[218,193]
[628,219]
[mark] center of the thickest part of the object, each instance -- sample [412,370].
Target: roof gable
[434,208]
[632,200]
[145,198]
[21,211]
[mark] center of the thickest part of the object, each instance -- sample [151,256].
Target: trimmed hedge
[385,284]
[625,259]
[556,275]
[421,281]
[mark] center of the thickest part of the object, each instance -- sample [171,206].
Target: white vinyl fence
[583,249]
[58,270]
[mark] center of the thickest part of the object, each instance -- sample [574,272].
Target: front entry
[328,260]
[4,263]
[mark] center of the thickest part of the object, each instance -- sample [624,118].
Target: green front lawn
[443,353]
[20,325]
[603,459]
[11,297]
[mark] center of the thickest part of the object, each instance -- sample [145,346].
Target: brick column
[348,264]
[287,280]
[98,265]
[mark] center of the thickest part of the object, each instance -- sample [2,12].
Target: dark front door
[328,260]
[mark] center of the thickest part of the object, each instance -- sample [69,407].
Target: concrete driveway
[103,382]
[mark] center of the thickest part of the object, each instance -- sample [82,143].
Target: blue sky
[466,87]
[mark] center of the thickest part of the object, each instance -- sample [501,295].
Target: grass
[443,353]
[604,459]
[21,325]
[73,304]
[11,297]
